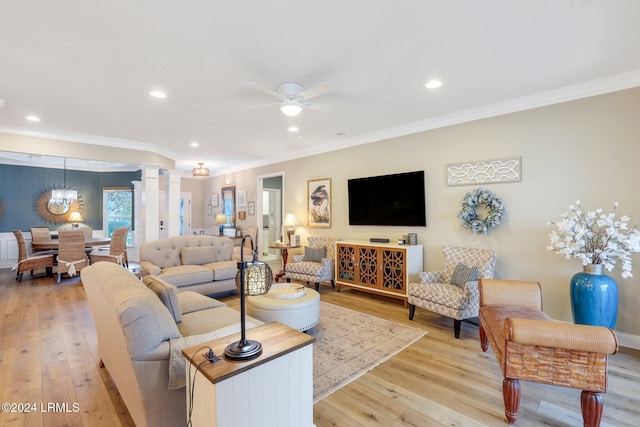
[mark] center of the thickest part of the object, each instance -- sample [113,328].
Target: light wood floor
[48,354]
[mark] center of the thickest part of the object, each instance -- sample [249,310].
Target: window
[117,210]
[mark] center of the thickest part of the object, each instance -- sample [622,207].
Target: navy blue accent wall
[20,186]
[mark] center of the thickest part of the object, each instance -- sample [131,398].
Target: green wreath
[469,216]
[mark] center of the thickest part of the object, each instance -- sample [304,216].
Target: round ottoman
[295,306]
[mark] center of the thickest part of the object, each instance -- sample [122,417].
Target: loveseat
[142,328]
[200,263]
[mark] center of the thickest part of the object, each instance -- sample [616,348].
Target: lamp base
[243,350]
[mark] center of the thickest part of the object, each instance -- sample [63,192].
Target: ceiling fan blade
[317,90]
[264,89]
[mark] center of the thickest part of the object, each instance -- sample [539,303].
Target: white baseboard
[628,340]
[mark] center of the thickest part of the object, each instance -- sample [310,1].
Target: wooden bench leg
[484,341]
[511,396]
[591,405]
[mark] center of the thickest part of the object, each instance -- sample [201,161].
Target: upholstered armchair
[453,292]
[316,265]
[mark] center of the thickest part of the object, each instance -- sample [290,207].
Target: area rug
[349,344]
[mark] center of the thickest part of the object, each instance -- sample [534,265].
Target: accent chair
[316,265]
[453,292]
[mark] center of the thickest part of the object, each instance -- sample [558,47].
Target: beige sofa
[142,328]
[200,263]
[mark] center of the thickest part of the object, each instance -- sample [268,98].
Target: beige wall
[586,149]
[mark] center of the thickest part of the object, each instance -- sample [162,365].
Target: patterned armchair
[317,265]
[453,292]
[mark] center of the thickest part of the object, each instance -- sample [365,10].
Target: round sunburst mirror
[54,211]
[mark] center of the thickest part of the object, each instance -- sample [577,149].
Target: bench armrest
[510,292]
[592,339]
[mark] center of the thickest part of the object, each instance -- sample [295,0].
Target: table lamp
[221,219]
[290,221]
[253,278]
[75,218]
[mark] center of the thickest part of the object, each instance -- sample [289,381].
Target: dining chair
[42,259]
[40,234]
[71,252]
[116,251]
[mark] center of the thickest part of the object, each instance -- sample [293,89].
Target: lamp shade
[291,108]
[290,220]
[258,278]
[75,217]
[221,219]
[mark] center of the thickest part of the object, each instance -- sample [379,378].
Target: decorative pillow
[314,254]
[463,274]
[167,294]
[198,255]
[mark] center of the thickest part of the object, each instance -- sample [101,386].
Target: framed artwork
[242,215]
[209,209]
[215,200]
[242,199]
[319,202]
[251,208]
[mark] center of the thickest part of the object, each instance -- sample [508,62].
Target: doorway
[269,210]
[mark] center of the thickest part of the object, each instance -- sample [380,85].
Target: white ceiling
[86,68]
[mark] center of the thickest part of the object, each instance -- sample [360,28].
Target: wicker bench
[529,346]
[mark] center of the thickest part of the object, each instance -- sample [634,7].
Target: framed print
[242,199]
[319,202]
[251,208]
[215,200]
[209,210]
[242,215]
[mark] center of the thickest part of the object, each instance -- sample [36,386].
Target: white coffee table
[293,305]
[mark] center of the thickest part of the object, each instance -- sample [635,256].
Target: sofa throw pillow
[198,255]
[167,294]
[463,274]
[314,254]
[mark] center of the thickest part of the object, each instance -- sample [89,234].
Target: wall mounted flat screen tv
[397,199]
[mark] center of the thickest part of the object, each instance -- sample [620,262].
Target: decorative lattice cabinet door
[381,268]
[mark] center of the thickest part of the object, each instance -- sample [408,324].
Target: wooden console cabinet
[381,268]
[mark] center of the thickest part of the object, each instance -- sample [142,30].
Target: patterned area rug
[349,344]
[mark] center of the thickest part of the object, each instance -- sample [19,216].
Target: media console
[381,268]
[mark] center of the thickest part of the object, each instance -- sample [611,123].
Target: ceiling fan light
[290,110]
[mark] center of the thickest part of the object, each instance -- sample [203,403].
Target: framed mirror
[229,204]
[56,212]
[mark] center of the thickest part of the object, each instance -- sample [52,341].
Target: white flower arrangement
[468,213]
[595,238]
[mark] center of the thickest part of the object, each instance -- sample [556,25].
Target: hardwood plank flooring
[48,354]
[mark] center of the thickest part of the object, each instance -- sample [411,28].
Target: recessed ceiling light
[433,84]
[293,128]
[194,144]
[33,118]
[158,94]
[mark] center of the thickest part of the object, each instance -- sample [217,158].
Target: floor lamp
[253,278]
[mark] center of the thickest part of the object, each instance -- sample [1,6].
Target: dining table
[48,245]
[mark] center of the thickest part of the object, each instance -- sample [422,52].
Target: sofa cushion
[183,275]
[314,254]
[198,255]
[192,301]
[223,270]
[167,294]
[304,267]
[463,274]
[214,320]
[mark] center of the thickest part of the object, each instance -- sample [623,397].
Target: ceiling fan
[293,96]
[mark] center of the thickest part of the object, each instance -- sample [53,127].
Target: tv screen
[397,199]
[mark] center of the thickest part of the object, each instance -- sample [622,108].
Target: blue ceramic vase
[594,297]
